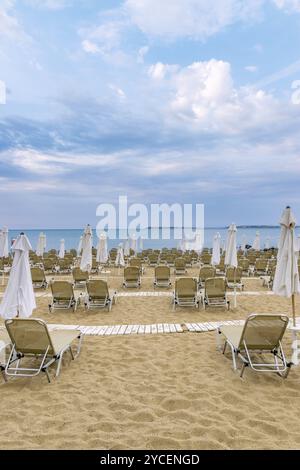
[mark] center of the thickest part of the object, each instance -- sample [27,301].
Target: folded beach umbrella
[102,252]
[298,239]
[120,256]
[199,241]
[19,299]
[267,243]
[87,245]
[79,248]
[231,252]
[61,253]
[41,244]
[4,250]
[256,242]
[216,249]
[286,278]
[126,248]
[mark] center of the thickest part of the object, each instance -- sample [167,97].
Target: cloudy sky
[164,101]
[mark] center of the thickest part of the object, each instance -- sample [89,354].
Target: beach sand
[164,391]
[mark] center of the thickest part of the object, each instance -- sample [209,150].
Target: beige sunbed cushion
[232,334]
[62,338]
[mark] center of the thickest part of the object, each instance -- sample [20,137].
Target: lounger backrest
[37,274]
[234,274]
[131,273]
[135,262]
[62,290]
[215,287]
[206,272]
[162,272]
[180,263]
[49,263]
[185,287]
[244,263]
[261,263]
[97,289]
[263,332]
[206,258]
[79,275]
[30,336]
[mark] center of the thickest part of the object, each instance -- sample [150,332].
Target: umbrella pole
[294,309]
[234,294]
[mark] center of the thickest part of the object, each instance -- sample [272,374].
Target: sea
[269,236]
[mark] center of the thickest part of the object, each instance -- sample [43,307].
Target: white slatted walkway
[210,326]
[117,330]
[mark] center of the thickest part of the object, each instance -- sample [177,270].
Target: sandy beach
[163,391]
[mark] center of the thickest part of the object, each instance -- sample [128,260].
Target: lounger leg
[233,357]
[59,365]
[47,374]
[3,374]
[71,352]
[243,369]
[218,339]
[224,348]
[79,346]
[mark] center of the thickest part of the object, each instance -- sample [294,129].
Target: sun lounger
[261,335]
[80,277]
[215,293]
[162,276]
[180,266]
[186,293]
[38,278]
[245,266]
[132,277]
[138,263]
[63,296]
[98,295]
[234,278]
[260,267]
[205,272]
[31,338]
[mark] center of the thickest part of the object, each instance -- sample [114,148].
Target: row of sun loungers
[31,339]
[186,294]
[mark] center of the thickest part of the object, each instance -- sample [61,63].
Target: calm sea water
[71,237]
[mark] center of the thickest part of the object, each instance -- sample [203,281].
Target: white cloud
[159,70]
[190,18]
[251,68]
[57,163]
[203,95]
[288,5]
[106,38]
[10,27]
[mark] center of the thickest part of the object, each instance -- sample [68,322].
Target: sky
[173,101]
